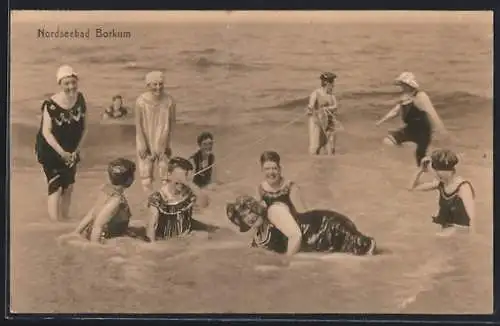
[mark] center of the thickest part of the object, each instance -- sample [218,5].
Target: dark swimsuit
[119,223]
[279,196]
[322,231]
[204,178]
[110,112]
[174,219]
[451,207]
[67,127]
[417,129]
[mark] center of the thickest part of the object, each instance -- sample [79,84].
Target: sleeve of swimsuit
[139,125]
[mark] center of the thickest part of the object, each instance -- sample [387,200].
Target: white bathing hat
[407,78]
[154,76]
[65,71]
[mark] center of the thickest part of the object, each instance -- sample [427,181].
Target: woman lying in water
[110,215]
[283,223]
[320,230]
[456,194]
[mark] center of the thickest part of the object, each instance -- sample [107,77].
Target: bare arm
[467,197]
[312,103]
[104,215]
[140,136]
[153,221]
[280,217]
[296,198]
[416,184]
[423,102]
[201,197]
[47,133]
[394,112]
[85,130]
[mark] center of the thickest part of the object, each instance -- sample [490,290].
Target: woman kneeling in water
[321,230]
[110,215]
[456,195]
[172,206]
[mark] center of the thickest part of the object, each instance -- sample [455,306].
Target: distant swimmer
[456,194]
[58,142]
[203,161]
[323,116]
[116,109]
[418,114]
[110,215]
[319,230]
[155,119]
[172,206]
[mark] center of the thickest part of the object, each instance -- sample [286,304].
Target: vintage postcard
[251,162]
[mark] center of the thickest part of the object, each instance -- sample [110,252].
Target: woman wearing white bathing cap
[59,140]
[418,114]
[155,119]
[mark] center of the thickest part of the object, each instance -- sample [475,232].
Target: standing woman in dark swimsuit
[418,114]
[456,194]
[59,140]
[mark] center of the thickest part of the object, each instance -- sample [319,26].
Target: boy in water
[116,109]
[323,112]
[110,215]
[456,194]
[155,120]
[203,161]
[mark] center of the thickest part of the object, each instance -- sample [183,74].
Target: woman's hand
[425,164]
[67,157]
[143,153]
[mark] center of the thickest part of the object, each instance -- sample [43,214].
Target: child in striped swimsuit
[155,118]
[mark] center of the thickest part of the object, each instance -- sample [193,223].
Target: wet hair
[327,77]
[120,171]
[179,162]
[242,204]
[444,160]
[116,97]
[270,156]
[203,136]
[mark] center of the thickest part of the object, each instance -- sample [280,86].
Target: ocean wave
[202,51]
[204,63]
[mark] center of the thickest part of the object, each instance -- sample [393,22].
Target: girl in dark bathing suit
[320,230]
[418,114]
[59,140]
[456,195]
[110,215]
[287,223]
[116,109]
[172,206]
[203,161]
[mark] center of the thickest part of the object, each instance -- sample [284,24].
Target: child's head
[271,166]
[117,101]
[205,141]
[178,169]
[121,172]
[327,80]
[443,162]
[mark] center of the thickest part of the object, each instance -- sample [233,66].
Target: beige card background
[245,76]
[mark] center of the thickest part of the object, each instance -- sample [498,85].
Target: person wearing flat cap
[456,194]
[323,112]
[418,114]
[155,119]
[58,142]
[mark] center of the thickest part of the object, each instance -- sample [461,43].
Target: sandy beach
[243,96]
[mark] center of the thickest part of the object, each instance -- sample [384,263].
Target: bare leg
[314,137]
[66,202]
[332,139]
[54,205]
